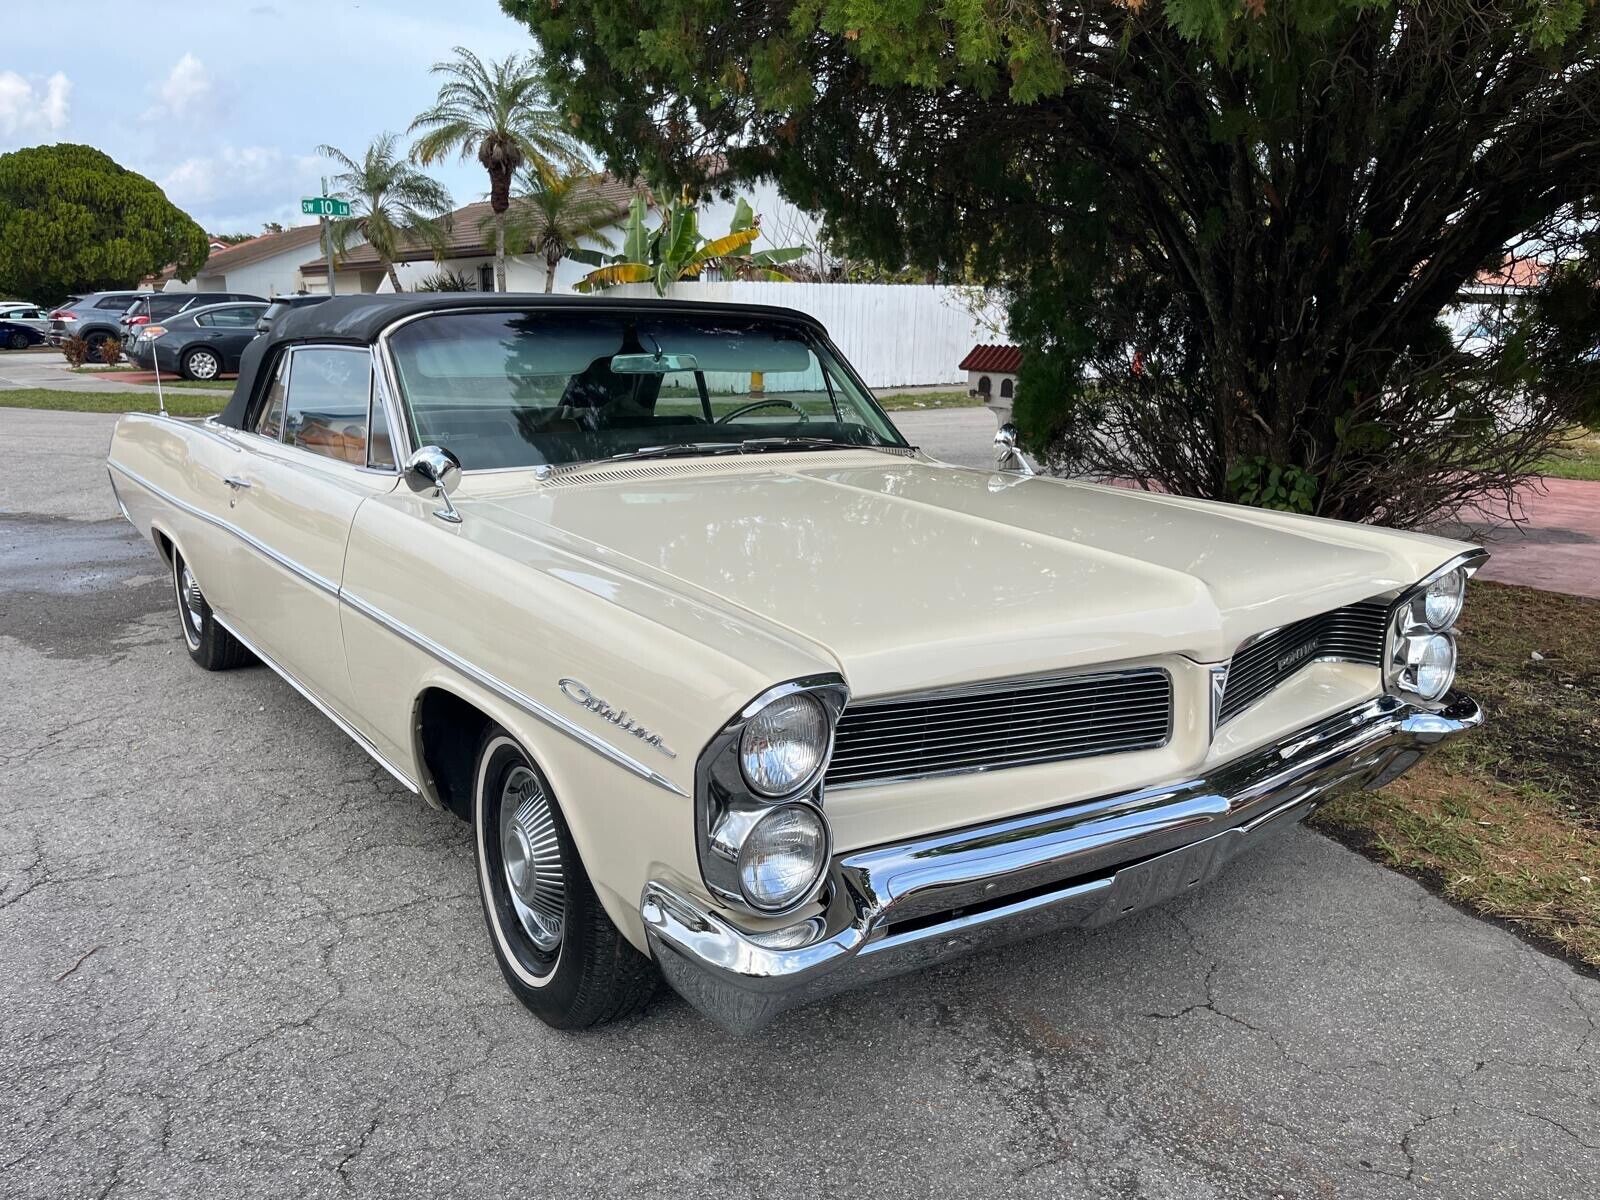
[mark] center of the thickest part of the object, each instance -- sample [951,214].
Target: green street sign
[324,206]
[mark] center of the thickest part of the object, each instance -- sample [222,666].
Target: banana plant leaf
[636,241]
[771,258]
[729,244]
[616,273]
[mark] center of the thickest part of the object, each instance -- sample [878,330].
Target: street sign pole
[327,239]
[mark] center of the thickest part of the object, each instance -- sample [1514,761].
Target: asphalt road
[238,961]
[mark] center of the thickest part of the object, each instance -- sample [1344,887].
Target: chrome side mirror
[435,467]
[1007,454]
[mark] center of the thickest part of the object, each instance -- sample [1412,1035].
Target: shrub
[75,350]
[111,351]
[445,280]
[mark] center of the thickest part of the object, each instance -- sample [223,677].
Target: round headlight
[783,745]
[1430,665]
[1441,603]
[782,857]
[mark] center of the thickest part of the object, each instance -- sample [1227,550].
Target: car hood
[914,574]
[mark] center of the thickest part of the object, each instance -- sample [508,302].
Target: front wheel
[19,341]
[558,951]
[210,645]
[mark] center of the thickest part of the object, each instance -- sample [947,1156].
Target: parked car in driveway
[94,318]
[14,335]
[156,308]
[24,313]
[737,687]
[283,304]
[202,343]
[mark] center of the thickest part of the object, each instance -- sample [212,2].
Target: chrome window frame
[376,388]
[385,352]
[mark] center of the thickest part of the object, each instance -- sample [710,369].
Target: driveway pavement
[240,962]
[1558,548]
[51,371]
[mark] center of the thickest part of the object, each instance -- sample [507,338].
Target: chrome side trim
[317,581]
[508,693]
[504,690]
[349,730]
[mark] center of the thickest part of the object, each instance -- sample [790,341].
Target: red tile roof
[261,247]
[1001,360]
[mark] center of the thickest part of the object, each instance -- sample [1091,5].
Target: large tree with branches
[1230,231]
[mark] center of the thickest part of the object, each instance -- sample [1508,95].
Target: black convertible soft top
[358,320]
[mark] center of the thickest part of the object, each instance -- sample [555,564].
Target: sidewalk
[1558,548]
[51,372]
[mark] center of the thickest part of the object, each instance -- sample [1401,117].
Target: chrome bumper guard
[905,906]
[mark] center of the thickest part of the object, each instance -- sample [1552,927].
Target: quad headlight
[1442,599]
[783,745]
[1420,660]
[782,857]
[763,839]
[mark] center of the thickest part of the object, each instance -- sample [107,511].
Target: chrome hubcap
[203,365]
[532,858]
[189,595]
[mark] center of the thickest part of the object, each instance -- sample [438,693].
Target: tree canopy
[73,221]
[1229,231]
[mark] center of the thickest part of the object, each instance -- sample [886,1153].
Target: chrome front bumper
[901,907]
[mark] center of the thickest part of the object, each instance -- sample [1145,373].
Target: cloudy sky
[224,104]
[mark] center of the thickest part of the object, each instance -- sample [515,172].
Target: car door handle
[235,482]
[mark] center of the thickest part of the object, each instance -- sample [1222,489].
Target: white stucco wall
[995,380]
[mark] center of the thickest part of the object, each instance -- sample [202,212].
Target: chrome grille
[1011,723]
[1354,633]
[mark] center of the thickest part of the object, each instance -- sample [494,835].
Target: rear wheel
[558,951]
[201,364]
[210,645]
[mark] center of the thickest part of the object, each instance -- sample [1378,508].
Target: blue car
[14,336]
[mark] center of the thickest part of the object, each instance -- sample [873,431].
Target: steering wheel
[776,402]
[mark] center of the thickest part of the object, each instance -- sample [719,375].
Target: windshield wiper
[762,445]
[677,449]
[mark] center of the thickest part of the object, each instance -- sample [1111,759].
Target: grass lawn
[1506,820]
[1579,460]
[911,401]
[178,405]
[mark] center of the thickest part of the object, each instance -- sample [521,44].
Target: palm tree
[391,203]
[552,214]
[498,111]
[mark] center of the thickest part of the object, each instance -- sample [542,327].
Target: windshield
[516,389]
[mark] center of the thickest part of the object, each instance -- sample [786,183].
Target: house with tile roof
[469,252]
[268,265]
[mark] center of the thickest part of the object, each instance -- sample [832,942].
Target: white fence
[895,335]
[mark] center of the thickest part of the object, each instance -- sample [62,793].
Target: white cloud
[239,186]
[25,109]
[188,84]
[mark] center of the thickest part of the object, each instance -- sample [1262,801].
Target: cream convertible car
[733,684]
